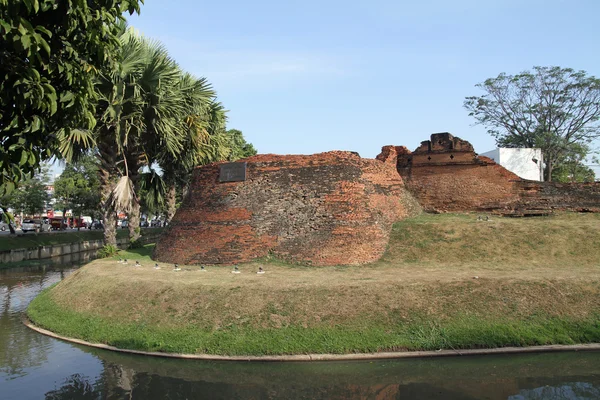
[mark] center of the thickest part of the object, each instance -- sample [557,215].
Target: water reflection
[75,387]
[577,390]
[19,351]
[465,378]
[33,366]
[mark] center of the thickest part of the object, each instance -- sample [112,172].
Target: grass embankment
[446,281]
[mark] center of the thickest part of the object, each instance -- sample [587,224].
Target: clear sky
[302,77]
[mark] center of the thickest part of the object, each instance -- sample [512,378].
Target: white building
[526,163]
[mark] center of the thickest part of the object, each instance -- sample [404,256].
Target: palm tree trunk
[110,227]
[171,202]
[133,219]
[133,216]
[107,173]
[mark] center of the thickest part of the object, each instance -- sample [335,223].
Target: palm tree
[117,108]
[205,142]
[150,109]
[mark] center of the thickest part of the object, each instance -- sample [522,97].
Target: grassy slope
[538,282]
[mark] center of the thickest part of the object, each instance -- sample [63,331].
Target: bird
[156,266]
[120,261]
[177,268]
[202,268]
[235,270]
[125,261]
[260,270]
[137,264]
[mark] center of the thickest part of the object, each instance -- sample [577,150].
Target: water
[33,366]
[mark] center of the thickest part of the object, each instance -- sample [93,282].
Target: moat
[33,366]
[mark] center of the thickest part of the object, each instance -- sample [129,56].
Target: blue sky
[313,76]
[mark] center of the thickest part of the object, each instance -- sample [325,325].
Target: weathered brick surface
[581,197]
[445,174]
[325,209]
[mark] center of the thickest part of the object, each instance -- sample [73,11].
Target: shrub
[108,250]
[136,244]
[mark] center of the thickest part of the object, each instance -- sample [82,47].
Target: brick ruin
[445,174]
[332,208]
[337,208]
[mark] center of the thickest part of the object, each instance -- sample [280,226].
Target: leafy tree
[239,147]
[7,217]
[571,166]
[31,197]
[50,54]
[551,108]
[78,187]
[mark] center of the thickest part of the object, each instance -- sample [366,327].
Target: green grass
[140,254]
[446,282]
[460,239]
[460,332]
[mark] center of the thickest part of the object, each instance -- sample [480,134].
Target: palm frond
[155,188]
[74,142]
[123,194]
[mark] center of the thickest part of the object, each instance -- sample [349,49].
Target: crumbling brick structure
[323,209]
[445,174]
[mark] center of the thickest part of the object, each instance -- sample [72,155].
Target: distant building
[527,163]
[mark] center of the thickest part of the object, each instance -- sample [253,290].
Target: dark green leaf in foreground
[50,54]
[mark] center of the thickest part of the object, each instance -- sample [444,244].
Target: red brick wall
[324,209]
[581,197]
[445,174]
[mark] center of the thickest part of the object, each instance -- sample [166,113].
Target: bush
[108,250]
[136,244]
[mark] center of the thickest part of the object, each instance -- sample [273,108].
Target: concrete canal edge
[330,357]
[76,251]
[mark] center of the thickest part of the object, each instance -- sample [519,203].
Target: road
[20,232]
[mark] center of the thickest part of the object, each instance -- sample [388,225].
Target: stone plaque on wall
[232,172]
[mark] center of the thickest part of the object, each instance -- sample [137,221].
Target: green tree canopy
[31,197]
[571,166]
[555,109]
[50,54]
[238,145]
[78,187]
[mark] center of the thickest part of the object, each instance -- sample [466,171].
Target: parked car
[29,225]
[44,225]
[124,224]
[3,226]
[97,225]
